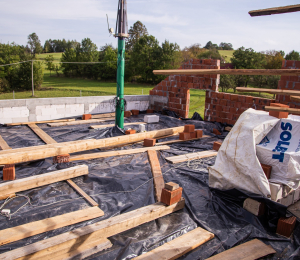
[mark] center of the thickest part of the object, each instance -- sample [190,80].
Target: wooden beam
[158,178]
[283,109]
[111,125]
[286,72]
[42,122]
[13,234]
[296,98]
[91,156]
[42,179]
[4,197]
[82,122]
[271,91]
[276,10]
[41,134]
[180,141]
[179,246]
[103,115]
[82,193]
[251,250]
[26,154]
[3,144]
[101,230]
[191,156]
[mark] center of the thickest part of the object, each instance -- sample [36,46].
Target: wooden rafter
[276,10]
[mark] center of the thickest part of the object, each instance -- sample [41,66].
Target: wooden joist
[285,72]
[3,144]
[283,109]
[116,153]
[103,115]
[82,193]
[4,197]
[251,250]
[42,122]
[40,133]
[275,10]
[179,246]
[297,99]
[82,122]
[191,156]
[158,178]
[270,91]
[19,155]
[13,234]
[111,125]
[42,179]
[180,141]
[71,240]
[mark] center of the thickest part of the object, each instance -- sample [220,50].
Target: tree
[225,46]
[211,54]
[34,44]
[226,82]
[108,69]
[192,52]
[49,63]
[210,45]
[293,55]
[273,59]
[135,33]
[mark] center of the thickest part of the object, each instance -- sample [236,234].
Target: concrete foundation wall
[28,110]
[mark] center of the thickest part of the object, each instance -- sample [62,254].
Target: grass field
[227,54]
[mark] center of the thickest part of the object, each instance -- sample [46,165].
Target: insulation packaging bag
[237,165]
[281,149]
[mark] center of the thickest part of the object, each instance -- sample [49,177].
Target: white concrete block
[142,128]
[19,119]
[276,191]
[297,195]
[287,201]
[5,120]
[151,118]
[253,206]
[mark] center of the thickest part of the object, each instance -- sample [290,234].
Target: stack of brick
[190,133]
[176,88]
[226,108]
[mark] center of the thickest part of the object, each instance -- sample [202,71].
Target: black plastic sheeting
[124,183]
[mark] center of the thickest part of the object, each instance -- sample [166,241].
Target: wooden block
[217,146]
[184,136]
[171,186]
[150,111]
[285,226]
[199,133]
[127,114]
[64,158]
[191,156]
[86,116]
[277,113]
[130,132]
[171,197]
[267,170]
[135,112]
[13,234]
[148,142]
[189,128]
[216,131]
[179,246]
[9,172]
[254,207]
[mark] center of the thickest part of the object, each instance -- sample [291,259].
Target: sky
[182,21]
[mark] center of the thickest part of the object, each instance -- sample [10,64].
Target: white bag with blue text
[281,149]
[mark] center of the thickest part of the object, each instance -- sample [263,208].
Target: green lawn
[227,54]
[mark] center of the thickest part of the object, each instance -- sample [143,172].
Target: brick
[86,116]
[199,133]
[221,95]
[171,197]
[216,146]
[223,102]
[227,96]
[285,226]
[189,128]
[135,112]
[150,111]
[9,172]
[267,170]
[249,100]
[130,131]
[278,114]
[226,109]
[193,135]
[63,158]
[127,114]
[254,207]
[148,142]
[234,98]
[216,131]
[184,136]
[171,186]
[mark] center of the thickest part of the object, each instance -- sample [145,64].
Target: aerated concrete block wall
[29,110]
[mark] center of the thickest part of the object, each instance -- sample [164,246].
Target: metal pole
[32,78]
[120,83]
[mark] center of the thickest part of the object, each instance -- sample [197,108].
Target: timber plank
[82,122]
[116,153]
[179,246]
[191,156]
[82,193]
[251,250]
[42,122]
[180,141]
[283,109]
[286,72]
[270,91]
[41,134]
[4,197]
[3,144]
[19,155]
[13,234]
[103,115]
[158,178]
[103,229]
[42,179]
[275,10]
[111,125]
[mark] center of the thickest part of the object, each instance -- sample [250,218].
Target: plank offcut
[191,156]
[275,10]
[251,250]
[158,178]
[179,246]
[101,230]
[283,109]
[10,235]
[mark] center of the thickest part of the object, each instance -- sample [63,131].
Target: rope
[9,199]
